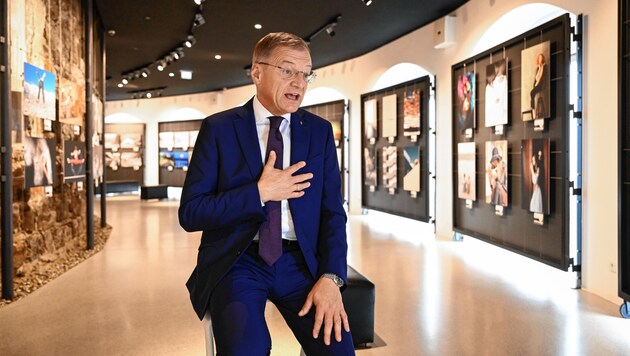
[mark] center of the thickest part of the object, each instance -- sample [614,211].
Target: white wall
[360,75]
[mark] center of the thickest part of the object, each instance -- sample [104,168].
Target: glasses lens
[287,73]
[310,77]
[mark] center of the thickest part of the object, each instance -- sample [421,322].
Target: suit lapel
[300,137]
[245,127]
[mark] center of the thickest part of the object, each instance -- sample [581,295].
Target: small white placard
[539,125]
[390,139]
[372,141]
[47,125]
[48,190]
[468,133]
[498,130]
[136,168]
[498,210]
[136,149]
[539,219]
[372,188]
[185,168]
[413,194]
[392,191]
[414,138]
[170,168]
[80,186]
[77,130]
[469,204]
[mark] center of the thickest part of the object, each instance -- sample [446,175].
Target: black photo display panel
[412,98]
[624,155]
[515,228]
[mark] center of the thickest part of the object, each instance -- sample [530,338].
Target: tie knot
[275,121]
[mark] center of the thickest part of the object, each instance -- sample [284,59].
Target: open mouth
[292,96]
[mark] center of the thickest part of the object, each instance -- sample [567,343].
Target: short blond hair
[273,40]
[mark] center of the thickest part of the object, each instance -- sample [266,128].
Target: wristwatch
[335,278]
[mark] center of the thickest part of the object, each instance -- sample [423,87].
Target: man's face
[277,94]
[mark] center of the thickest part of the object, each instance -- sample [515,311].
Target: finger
[271,160]
[301,177]
[317,325]
[307,306]
[296,167]
[296,195]
[328,326]
[338,329]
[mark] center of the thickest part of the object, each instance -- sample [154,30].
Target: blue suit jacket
[220,197]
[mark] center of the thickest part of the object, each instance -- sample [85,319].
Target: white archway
[399,73]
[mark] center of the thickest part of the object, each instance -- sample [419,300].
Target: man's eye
[287,72]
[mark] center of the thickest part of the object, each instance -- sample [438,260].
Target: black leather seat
[358,300]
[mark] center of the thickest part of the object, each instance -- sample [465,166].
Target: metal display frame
[551,242]
[401,203]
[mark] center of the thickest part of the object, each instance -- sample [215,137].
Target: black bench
[121,186]
[358,301]
[154,191]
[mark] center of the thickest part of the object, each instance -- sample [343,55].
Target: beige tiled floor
[432,297]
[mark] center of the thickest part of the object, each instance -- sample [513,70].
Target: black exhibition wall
[411,103]
[514,227]
[624,152]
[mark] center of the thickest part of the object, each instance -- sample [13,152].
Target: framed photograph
[390,167]
[466,178]
[112,141]
[369,156]
[411,107]
[535,182]
[131,159]
[497,172]
[40,93]
[71,102]
[73,161]
[131,140]
[192,137]
[112,160]
[182,139]
[389,116]
[411,178]
[97,163]
[371,123]
[39,162]
[536,82]
[497,93]
[167,140]
[180,159]
[167,159]
[466,101]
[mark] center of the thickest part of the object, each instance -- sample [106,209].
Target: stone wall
[48,230]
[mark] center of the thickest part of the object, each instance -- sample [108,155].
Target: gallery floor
[432,297]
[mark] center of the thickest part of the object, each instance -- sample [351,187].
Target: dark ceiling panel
[147,30]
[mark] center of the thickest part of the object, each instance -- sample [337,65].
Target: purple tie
[270,233]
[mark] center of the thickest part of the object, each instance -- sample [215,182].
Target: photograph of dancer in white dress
[535,168]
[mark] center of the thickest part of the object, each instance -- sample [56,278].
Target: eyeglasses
[288,73]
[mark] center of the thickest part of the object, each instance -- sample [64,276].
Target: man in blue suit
[264,187]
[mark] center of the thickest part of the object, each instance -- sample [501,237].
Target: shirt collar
[260,112]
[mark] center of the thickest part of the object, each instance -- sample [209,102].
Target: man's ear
[256,73]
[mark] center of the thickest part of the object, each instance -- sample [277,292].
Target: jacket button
[238,253]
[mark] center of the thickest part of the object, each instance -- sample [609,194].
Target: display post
[6,184]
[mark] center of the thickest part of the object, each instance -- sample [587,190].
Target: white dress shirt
[262,127]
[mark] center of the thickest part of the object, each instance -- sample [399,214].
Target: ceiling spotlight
[366,2]
[125,80]
[149,95]
[180,52]
[190,41]
[171,74]
[218,56]
[175,56]
[199,2]
[161,65]
[258,26]
[145,72]
[120,85]
[185,74]
[330,29]
[199,20]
